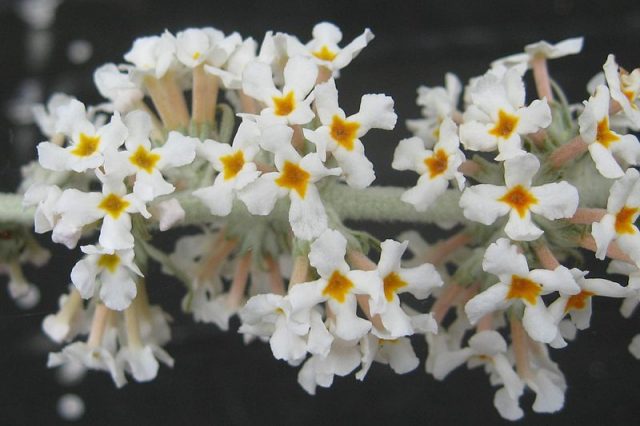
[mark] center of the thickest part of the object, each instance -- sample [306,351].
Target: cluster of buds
[269,179]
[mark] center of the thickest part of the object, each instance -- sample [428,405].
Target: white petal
[116,233]
[83,276]
[307,216]
[300,76]
[520,170]
[407,154]
[507,406]
[502,258]
[534,117]
[118,289]
[538,322]
[178,151]
[521,228]
[490,300]
[603,233]
[480,203]
[605,163]
[326,101]
[218,197]
[376,112]
[261,195]
[327,253]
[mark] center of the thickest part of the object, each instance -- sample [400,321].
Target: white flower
[153,55]
[45,198]
[113,205]
[342,359]
[484,203]
[337,286]
[140,360]
[230,73]
[68,321]
[289,105]
[437,104]
[498,116]
[324,49]
[419,281]
[234,165]
[436,167]
[96,358]
[117,86]
[296,177]
[570,46]
[633,297]
[46,117]
[624,88]
[518,283]
[398,353]
[196,46]
[578,306]
[146,163]
[623,208]
[116,272]
[88,144]
[341,135]
[604,143]
[168,213]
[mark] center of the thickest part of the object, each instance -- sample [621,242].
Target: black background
[217,380]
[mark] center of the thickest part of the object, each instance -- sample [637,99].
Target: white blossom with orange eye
[484,203]
[116,272]
[623,208]
[114,206]
[153,55]
[230,73]
[436,167]
[289,105]
[498,118]
[337,286]
[88,143]
[419,281]
[518,283]
[147,163]
[438,103]
[340,135]
[604,144]
[323,47]
[197,46]
[235,167]
[296,177]
[624,88]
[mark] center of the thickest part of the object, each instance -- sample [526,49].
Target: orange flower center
[294,177]
[625,219]
[524,288]
[338,287]
[325,54]
[344,132]
[520,199]
[86,146]
[577,301]
[232,164]
[505,126]
[283,105]
[109,261]
[113,205]
[437,163]
[604,135]
[392,283]
[144,159]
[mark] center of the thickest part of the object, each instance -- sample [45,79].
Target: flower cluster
[271,173]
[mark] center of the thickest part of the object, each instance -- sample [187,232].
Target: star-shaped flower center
[392,283]
[344,132]
[578,301]
[232,164]
[283,105]
[625,219]
[109,262]
[325,54]
[294,177]
[604,135]
[505,126]
[144,159]
[338,287]
[113,205]
[524,288]
[86,146]
[437,163]
[520,199]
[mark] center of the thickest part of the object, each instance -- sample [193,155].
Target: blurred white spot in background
[70,407]
[71,373]
[79,51]
[19,108]
[38,14]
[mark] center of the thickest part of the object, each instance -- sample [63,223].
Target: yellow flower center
[232,164]
[283,105]
[195,56]
[392,283]
[338,287]
[505,126]
[631,95]
[113,205]
[524,288]
[625,219]
[294,177]
[325,54]
[520,199]
[344,132]
[86,146]
[604,135]
[109,261]
[437,163]
[577,301]
[144,159]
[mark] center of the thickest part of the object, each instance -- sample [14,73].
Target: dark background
[217,380]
